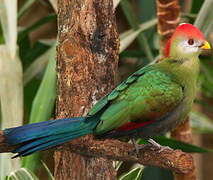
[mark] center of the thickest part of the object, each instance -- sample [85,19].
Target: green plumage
[149,94]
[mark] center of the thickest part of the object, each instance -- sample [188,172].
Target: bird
[150,102]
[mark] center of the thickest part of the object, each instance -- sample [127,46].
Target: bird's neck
[185,71]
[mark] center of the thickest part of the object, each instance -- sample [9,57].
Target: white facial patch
[185,47]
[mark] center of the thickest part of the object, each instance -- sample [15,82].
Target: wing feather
[100,105]
[152,94]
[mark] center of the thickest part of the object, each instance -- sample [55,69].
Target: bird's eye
[191,41]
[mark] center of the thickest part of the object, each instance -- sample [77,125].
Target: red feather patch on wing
[133,125]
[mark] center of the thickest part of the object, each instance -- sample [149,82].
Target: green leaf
[196,5]
[8,19]
[45,97]
[43,104]
[207,77]
[204,20]
[133,22]
[36,25]
[11,96]
[129,36]
[30,55]
[27,4]
[155,173]
[39,64]
[1,35]
[132,53]
[24,49]
[201,123]
[146,10]
[135,174]
[30,90]
[11,91]
[22,174]
[50,175]
[175,144]
[189,15]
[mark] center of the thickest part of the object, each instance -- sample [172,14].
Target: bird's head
[186,42]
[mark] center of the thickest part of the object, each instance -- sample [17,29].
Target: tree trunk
[86,65]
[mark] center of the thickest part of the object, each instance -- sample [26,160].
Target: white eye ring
[188,46]
[191,42]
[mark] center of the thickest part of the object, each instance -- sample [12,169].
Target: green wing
[116,92]
[146,95]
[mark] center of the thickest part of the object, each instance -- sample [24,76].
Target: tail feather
[43,146]
[40,136]
[37,142]
[27,132]
[47,139]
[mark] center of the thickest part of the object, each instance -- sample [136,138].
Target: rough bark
[87,62]
[4,147]
[184,133]
[174,160]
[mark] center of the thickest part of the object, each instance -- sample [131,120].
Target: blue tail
[43,135]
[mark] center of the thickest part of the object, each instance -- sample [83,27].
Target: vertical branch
[168,12]
[86,64]
[184,133]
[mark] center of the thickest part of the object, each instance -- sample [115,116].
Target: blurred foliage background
[28,33]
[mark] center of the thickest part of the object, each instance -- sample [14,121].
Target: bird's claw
[158,146]
[137,146]
[152,144]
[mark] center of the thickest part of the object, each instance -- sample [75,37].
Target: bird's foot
[136,145]
[152,144]
[158,146]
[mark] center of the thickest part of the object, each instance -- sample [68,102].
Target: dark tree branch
[174,160]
